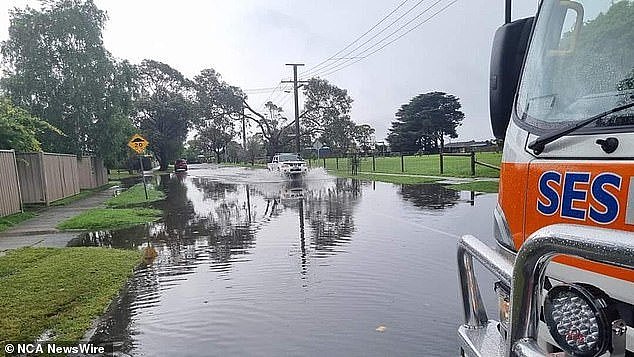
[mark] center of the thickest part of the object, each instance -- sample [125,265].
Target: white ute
[288,164]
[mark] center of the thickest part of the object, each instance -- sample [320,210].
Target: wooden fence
[10,202]
[92,172]
[47,177]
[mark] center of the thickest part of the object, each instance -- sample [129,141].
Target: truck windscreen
[580,63]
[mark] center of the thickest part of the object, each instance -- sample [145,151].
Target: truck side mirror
[507,57]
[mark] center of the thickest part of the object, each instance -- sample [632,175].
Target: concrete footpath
[40,231]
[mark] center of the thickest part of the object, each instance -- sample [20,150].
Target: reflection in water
[271,268]
[330,214]
[432,197]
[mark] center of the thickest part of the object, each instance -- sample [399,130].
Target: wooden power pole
[295,88]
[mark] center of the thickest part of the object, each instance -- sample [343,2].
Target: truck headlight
[579,319]
[504,307]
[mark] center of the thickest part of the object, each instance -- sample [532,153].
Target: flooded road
[250,264]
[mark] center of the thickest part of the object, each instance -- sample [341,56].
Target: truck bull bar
[479,336]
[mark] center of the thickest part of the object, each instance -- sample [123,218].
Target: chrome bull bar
[479,336]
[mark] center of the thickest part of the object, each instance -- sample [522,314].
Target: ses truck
[562,99]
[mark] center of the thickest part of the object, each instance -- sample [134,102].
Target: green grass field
[58,290]
[420,165]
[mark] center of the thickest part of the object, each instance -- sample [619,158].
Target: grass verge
[116,176]
[407,180]
[105,218]
[135,196]
[12,220]
[61,290]
[478,186]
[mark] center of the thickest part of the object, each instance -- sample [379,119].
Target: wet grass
[135,196]
[120,175]
[421,165]
[11,220]
[478,186]
[406,180]
[58,290]
[107,218]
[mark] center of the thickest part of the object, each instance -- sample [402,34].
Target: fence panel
[92,172]
[9,184]
[31,174]
[101,173]
[46,177]
[87,175]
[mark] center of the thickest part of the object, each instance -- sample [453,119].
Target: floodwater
[251,264]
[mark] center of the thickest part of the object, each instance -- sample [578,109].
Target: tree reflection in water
[330,214]
[430,196]
[207,222]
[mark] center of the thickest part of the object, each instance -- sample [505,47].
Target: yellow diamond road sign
[138,143]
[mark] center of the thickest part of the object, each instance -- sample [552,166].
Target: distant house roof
[468,144]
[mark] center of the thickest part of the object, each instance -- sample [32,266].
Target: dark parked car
[180,165]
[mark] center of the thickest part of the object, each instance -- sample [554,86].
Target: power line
[350,52]
[356,40]
[265,89]
[333,70]
[361,54]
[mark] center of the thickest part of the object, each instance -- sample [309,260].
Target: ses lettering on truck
[579,196]
[578,193]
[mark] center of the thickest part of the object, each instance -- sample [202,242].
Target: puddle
[248,263]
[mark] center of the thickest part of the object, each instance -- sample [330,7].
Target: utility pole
[244,131]
[295,88]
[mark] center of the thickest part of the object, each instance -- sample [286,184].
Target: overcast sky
[249,41]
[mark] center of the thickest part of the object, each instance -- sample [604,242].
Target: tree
[363,136]
[218,106]
[57,68]
[211,140]
[164,109]
[255,147]
[327,113]
[275,128]
[19,130]
[423,123]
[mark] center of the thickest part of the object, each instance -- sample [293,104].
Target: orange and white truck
[562,99]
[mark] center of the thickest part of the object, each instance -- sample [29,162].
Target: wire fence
[482,164]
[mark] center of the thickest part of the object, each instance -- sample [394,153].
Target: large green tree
[19,130]
[327,114]
[363,136]
[164,109]
[218,107]
[276,129]
[56,66]
[423,123]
